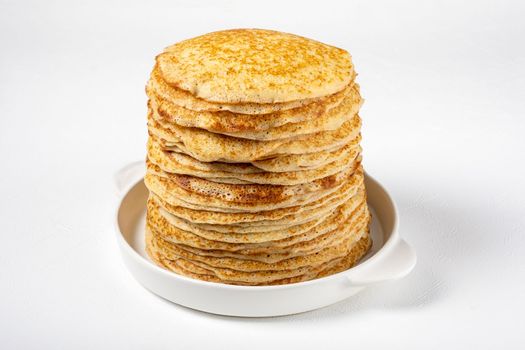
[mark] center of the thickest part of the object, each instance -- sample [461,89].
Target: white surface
[444,130]
[390,258]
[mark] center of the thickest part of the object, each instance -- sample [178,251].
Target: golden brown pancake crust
[253,65]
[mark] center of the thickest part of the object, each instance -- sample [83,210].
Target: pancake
[175,229]
[268,277]
[224,121]
[316,117]
[182,98]
[210,147]
[161,163]
[223,221]
[270,255]
[337,225]
[283,163]
[338,265]
[255,66]
[301,221]
[196,193]
[219,264]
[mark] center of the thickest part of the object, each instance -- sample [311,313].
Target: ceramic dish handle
[399,260]
[128,175]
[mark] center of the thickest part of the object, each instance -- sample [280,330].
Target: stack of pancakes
[254,163]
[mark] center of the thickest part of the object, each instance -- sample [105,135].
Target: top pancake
[255,66]
[183,98]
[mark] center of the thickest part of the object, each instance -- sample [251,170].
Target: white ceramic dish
[390,258]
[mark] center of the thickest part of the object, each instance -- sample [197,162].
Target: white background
[444,128]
